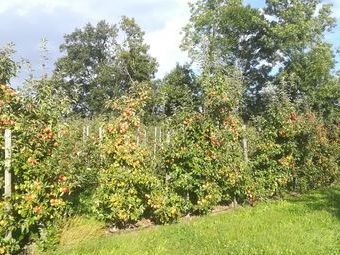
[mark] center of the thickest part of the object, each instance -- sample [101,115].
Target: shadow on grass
[327,199]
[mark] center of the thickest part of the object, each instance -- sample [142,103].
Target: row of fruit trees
[58,169]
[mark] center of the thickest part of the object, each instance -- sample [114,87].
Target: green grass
[309,224]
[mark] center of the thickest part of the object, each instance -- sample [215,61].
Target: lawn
[308,224]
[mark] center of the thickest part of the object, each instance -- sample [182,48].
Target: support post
[160,137]
[100,134]
[137,138]
[8,155]
[168,137]
[245,145]
[84,134]
[87,131]
[155,143]
[8,174]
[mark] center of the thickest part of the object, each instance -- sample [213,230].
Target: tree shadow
[327,199]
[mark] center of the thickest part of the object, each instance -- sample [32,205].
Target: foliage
[8,67]
[181,91]
[51,165]
[78,158]
[40,194]
[134,62]
[120,199]
[275,57]
[294,150]
[261,42]
[222,94]
[204,163]
[311,78]
[129,187]
[166,206]
[123,185]
[97,68]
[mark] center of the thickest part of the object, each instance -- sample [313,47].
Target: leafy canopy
[97,68]
[263,43]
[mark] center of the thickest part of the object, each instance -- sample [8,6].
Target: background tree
[8,67]
[262,43]
[311,74]
[97,68]
[133,61]
[44,91]
[181,90]
[88,53]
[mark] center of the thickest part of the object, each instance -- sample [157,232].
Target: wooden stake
[137,140]
[160,136]
[100,134]
[8,174]
[167,138]
[84,134]
[87,131]
[8,155]
[245,146]
[155,143]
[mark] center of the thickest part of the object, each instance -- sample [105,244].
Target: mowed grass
[309,224]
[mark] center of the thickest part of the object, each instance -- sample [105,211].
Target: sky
[26,22]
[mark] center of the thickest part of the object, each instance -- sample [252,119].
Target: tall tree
[313,82]
[181,91]
[133,59]
[96,68]
[8,67]
[262,43]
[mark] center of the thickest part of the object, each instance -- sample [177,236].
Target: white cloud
[23,7]
[165,42]
[162,20]
[336,9]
